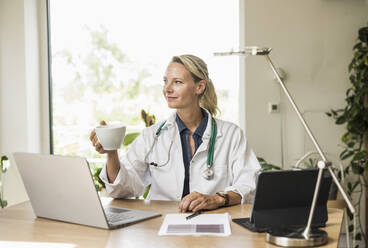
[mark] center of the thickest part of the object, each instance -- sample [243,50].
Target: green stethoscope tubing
[208,174]
[211,149]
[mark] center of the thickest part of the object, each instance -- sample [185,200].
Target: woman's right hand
[94,140]
[112,163]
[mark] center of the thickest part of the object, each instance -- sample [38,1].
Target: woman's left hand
[196,201]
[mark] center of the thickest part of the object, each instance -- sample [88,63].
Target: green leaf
[365,60]
[358,236]
[3,203]
[129,138]
[357,46]
[146,191]
[261,160]
[350,66]
[355,185]
[96,178]
[340,120]
[351,144]
[357,169]
[266,167]
[360,155]
[343,153]
[97,172]
[4,158]
[98,187]
[350,186]
[348,91]
[345,137]
[339,175]
[346,155]
[352,79]
[351,216]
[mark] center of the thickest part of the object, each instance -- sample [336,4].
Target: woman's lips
[171,98]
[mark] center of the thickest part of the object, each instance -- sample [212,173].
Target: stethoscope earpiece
[154,164]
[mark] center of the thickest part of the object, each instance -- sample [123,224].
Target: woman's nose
[168,87]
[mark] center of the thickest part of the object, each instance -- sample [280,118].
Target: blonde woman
[203,162]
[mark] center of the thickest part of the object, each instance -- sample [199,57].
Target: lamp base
[295,238]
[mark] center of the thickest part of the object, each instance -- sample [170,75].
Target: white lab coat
[235,165]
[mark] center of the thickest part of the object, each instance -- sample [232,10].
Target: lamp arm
[321,164]
[305,125]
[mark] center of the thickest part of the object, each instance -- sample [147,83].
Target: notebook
[283,199]
[61,188]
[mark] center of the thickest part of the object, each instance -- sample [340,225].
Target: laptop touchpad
[116,210]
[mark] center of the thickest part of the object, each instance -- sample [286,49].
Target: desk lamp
[304,237]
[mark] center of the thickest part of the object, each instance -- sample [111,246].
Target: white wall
[23,85]
[312,41]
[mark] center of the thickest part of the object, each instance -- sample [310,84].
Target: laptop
[61,188]
[283,200]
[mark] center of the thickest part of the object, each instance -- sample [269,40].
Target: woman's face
[180,90]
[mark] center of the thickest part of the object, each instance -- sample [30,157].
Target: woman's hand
[196,201]
[112,163]
[96,143]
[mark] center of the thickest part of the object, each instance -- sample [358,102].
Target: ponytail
[208,99]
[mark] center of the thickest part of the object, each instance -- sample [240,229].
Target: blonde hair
[198,69]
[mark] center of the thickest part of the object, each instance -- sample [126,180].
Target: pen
[193,215]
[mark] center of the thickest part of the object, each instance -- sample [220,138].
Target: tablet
[283,200]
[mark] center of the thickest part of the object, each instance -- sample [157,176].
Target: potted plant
[355,117]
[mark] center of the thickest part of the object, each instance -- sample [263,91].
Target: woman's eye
[178,82]
[165,81]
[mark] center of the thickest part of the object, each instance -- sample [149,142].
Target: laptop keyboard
[117,214]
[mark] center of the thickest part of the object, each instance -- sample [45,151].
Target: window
[109,57]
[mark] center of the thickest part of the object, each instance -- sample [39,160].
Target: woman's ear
[201,87]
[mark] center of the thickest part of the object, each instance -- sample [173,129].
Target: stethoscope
[208,173]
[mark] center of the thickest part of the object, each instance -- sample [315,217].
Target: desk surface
[20,227]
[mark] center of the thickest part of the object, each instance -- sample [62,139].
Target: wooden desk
[19,224]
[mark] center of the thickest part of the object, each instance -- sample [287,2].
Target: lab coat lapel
[180,170]
[177,153]
[207,134]
[174,134]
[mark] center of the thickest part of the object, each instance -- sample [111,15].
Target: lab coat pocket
[219,181]
[221,174]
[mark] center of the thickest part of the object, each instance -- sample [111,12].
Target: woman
[172,156]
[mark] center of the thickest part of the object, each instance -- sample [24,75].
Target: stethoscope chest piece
[208,174]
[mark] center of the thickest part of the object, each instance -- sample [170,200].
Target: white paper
[201,225]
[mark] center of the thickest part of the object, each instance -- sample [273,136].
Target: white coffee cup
[111,136]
